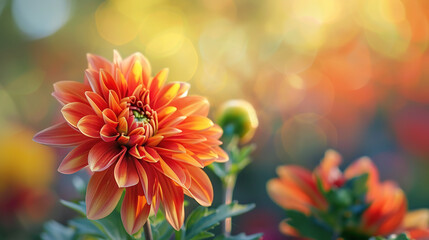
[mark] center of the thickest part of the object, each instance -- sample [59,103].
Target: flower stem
[229,183]
[147,230]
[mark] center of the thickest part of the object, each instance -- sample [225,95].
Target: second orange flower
[352,205]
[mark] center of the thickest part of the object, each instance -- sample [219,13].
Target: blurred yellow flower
[26,171]
[24,163]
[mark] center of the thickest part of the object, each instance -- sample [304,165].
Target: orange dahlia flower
[136,134]
[296,188]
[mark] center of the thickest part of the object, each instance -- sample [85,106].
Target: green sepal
[309,226]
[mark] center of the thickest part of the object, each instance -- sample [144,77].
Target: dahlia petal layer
[136,133]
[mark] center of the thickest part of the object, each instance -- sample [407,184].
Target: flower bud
[238,117]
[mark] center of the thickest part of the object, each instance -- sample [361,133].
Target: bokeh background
[348,75]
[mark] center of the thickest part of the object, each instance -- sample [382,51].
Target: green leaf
[203,235]
[246,151]
[240,236]
[55,230]
[243,163]
[195,215]
[111,226]
[78,207]
[235,155]
[161,229]
[241,158]
[218,169]
[84,226]
[156,219]
[309,226]
[213,218]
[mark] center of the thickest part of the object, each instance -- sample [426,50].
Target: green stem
[147,230]
[229,183]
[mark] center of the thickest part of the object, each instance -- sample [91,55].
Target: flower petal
[114,102]
[92,77]
[110,117]
[97,62]
[170,146]
[154,140]
[295,189]
[288,197]
[60,135]
[387,209]
[146,71]
[68,91]
[125,172]
[416,219]
[420,234]
[147,177]
[171,121]
[214,132]
[149,154]
[288,230]
[188,138]
[157,82]
[328,170]
[90,126]
[134,210]
[172,201]
[102,195]
[222,155]
[168,131]
[122,83]
[168,93]
[186,158]
[201,188]
[117,59]
[172,170]
[165,113]
[108,133]
[138,72]
[76,159]
[97,102]
[73,112]
[103,155]
[192,105]
[107,83]
[123,125]
[195,123]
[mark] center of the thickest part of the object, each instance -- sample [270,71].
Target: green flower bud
[238,117]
